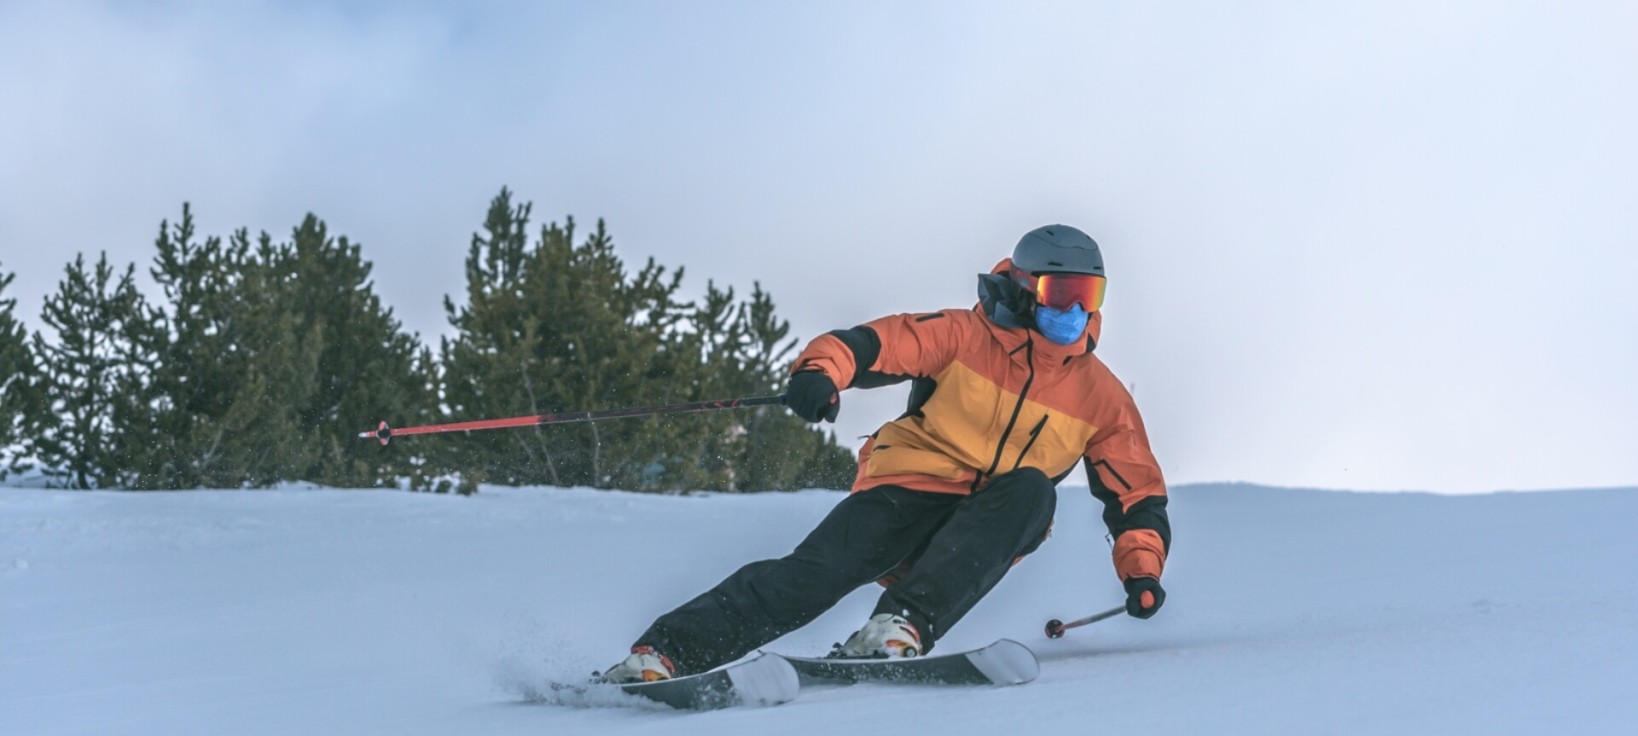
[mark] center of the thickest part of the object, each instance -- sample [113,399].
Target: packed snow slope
[380,612]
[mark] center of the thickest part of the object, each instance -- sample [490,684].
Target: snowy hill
[384,612]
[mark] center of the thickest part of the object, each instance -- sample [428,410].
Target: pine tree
[766,448]
[22,404]
[195,380]
[553,327]
[367,365]
[560,325]
[92,373]
[219,420]
[277,374]
[274,357]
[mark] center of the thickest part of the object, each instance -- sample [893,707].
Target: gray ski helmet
[1057,249]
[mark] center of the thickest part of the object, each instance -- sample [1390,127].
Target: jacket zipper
[1029,360]
[1034,434]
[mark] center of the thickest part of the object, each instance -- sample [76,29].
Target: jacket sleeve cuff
[1139,553]
[829,355]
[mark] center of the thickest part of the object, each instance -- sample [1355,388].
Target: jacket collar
[1007,307]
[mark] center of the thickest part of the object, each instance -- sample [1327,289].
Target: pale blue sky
[1364,245]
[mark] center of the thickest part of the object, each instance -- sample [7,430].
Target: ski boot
[883,636]
[644,665]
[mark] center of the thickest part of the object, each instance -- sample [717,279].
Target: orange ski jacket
[987,399]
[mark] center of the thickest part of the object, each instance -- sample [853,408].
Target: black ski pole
[1055,629]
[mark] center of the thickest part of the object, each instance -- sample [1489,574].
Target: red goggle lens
[1063,290]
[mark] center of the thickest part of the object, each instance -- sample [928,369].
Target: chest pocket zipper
[1034,434]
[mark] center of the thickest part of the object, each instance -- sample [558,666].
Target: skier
[1005,398]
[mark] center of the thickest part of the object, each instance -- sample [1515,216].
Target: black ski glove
[812,396]
[1144,596]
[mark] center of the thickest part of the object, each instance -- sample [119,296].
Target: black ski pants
[957,548]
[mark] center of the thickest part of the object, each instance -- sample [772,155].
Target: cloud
[1367,246]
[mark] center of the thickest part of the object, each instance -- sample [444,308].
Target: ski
[762,681]
[771,679]
[1005,662]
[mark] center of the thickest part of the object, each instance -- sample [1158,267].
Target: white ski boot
[884,635]
[644,665]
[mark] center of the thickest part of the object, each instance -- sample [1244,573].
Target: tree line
[258,362]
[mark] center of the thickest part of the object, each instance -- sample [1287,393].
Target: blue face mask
[1062,326]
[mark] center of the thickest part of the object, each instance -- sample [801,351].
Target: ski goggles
[1063,290]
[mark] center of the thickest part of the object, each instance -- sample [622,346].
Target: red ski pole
[1055,629]
[385,433]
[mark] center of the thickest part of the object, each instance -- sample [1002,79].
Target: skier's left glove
[1144,596]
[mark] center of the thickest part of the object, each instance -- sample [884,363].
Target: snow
[324,611]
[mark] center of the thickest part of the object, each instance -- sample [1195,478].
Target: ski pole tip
[1055,629]
[383,433]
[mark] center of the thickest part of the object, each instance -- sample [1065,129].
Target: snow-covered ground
[340,612]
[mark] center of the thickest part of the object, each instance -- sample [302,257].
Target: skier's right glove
[1144,596]
[812,396]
